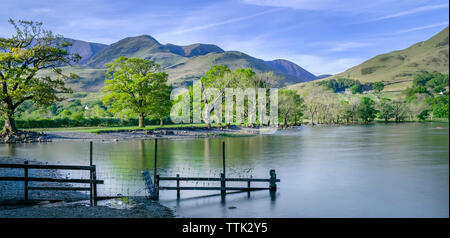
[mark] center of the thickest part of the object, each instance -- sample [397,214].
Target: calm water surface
[393,170]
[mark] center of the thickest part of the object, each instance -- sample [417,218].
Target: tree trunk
[141,120]
[285,121]
[207,116]
[160,121]
[10,126]
[312,119]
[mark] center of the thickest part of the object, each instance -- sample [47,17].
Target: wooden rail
[92,181]
[223,188]
[154,186]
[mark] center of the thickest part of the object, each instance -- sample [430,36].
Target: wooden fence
[92,181]
[154,187]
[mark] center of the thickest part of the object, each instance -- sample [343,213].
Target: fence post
[222,184]
[157,186]
[273,179]
[155,166]
[90,153]
[178,186]
[26,180]
[94,175]
[90,173]
[223,156]
[222,175]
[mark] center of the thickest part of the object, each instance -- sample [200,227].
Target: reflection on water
[393,170]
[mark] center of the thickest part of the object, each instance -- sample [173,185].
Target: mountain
[194,68]
[182,63]
[397,69]
[146,46]
[140,46]
[291,69]
[194,49]
[85,49]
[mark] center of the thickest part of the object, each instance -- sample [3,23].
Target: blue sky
[322,36]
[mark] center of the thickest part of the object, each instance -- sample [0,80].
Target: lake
[380,170]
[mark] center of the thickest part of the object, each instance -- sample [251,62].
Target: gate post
[94,175]
[273,181]
[157,187]
[222,184]
[178,186]
[26,180]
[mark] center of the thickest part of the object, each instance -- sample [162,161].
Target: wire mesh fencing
[120,166]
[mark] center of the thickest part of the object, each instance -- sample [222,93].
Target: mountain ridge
[182,63]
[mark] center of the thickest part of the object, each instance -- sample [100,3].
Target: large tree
[386,109]
[290,105]
[220,78]
[366,110]
[29,51]
[135,84]
[314,96]
[161,108]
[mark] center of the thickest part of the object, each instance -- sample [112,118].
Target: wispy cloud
[297,4]
[341,46]
[216,24]
[417,28]
[411,11]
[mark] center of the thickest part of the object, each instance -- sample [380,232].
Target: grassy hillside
[195,67]
[397,69]
[85,49]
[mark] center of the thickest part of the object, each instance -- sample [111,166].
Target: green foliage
[366,110]
[161,109]
[22,56]
[137,85]
[378,86]
[423,115]
[341,84]
[439,105]
[385,109]
[290,106]
[427,82]
[433,87]
[220,78]
[356,88]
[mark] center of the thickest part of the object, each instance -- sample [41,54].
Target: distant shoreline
[163,133]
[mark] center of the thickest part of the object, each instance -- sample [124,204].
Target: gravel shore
[134,207]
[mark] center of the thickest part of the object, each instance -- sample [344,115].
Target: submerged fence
[155,187]
[118,171]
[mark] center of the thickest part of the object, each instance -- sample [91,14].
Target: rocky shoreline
[25,137]
[184,133]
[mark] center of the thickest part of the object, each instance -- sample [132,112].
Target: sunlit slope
[397,69]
